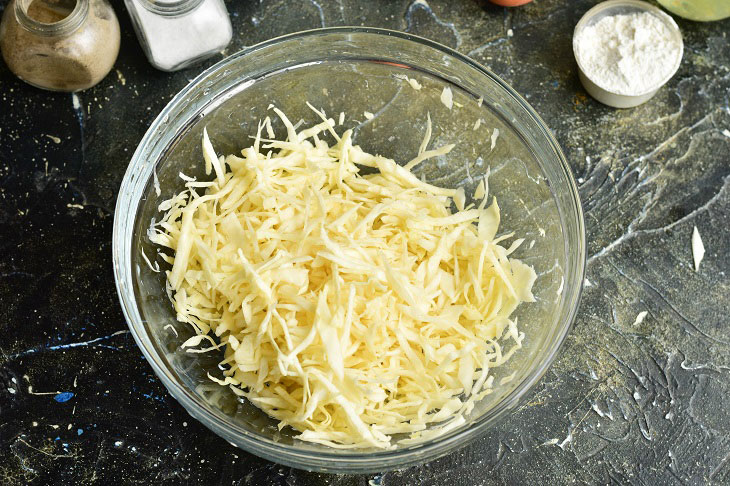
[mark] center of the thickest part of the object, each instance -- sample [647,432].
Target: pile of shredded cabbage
[350,307]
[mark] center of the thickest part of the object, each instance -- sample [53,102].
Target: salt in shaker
[177,33]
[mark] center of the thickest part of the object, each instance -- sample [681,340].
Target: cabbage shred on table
[350,307]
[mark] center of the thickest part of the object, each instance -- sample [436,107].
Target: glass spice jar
[178,33]
[59,45]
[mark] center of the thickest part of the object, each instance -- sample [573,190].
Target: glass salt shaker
[177,33]
[59,45]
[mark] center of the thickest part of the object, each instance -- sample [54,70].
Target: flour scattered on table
[698,249]
[447,98]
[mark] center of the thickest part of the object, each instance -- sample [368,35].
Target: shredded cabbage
[698,249]
[350,307]
[447,97]
[413,82]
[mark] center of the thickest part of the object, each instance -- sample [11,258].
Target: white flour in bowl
[628,54]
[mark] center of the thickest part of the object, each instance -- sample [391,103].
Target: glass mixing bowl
[354,70]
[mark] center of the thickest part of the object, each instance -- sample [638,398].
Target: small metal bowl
[622,7]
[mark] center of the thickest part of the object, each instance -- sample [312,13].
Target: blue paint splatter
[152,396]
[63,397]
[80,431]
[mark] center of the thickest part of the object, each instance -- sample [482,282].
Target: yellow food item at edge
[350,307]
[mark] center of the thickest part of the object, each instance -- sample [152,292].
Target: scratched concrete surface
[626,402]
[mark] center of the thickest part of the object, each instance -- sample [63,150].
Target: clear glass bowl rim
[340,461]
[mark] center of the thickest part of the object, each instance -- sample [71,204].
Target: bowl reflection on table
[354,70]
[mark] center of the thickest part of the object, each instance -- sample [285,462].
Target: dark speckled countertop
[626,402]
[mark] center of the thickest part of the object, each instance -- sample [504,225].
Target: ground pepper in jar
[60,45]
